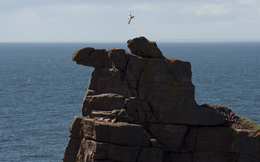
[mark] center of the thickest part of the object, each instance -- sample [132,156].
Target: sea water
[42,89]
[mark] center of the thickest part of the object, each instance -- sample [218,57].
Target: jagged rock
[76,126]
[140,106]
[164,83]
[73,146]
[95,59]
[143,47]
[82,54]
[71,151]
[95,100]
[114,141]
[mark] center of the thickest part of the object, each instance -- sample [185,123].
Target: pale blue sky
[106,20]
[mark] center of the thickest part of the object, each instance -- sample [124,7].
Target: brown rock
[175,65]
[136,65]
[171,100]
[191,139]
[75,126]
[150,154]
[156,93]
[214,157]
[117,133]
[217,139]
[144,48]
[171,136]
[247,158]
[178,157]
[104,80]
[118,115]
[92,150]
[118,57]
[71,150]
[156,71]
[82,54]
[221,139]
[95,100]
[139,111]
[183,112]
[96,59]
[246,143]
[181,70]
[151,91]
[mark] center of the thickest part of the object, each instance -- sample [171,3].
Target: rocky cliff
[140,106]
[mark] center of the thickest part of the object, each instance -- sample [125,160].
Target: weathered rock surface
[140,106]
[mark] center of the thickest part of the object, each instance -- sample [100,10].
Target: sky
[106,20]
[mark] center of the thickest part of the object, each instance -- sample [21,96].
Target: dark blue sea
[42,89]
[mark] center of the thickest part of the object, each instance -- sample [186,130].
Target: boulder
[95,59]
[82,54]
[144,48]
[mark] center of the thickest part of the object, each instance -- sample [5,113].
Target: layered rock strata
[140,106]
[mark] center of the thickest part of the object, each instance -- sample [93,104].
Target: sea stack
[140,107]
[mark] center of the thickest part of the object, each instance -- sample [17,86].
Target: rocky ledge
[140,107]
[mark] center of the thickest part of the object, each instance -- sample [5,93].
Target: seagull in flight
[130,17]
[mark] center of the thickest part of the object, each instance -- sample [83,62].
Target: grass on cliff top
[254,125]
[244,123]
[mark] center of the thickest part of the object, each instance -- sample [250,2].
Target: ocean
[42,89]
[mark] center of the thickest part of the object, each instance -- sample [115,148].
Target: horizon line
[202,40]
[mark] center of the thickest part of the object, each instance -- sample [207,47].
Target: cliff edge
[140,106]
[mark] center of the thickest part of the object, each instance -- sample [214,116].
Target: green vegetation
[254,125]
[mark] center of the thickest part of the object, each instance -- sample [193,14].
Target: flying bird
[130,17]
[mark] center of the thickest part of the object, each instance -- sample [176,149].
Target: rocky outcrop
[140,106]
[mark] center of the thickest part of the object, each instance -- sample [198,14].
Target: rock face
[140,106]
